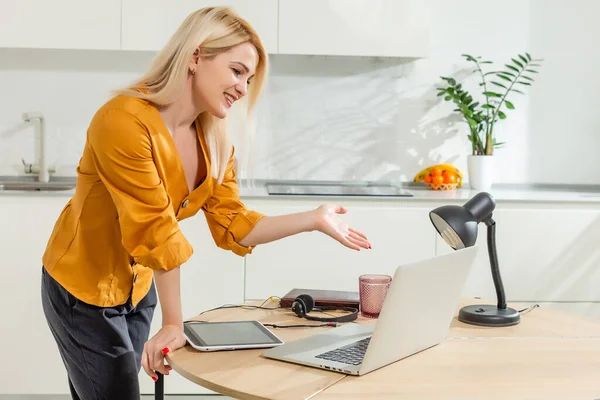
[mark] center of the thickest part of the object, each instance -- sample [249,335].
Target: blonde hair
[211,31]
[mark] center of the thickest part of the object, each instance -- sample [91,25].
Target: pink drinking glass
[372,291]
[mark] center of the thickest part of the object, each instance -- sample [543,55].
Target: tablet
[229,335]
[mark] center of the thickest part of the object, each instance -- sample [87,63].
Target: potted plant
[481,118]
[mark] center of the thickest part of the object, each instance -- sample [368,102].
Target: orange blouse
[122,222]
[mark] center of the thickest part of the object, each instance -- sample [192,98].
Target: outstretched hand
[328,222]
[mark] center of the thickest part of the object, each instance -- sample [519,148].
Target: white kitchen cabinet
[148,24]
[212,277]
[545,254]
[548,254]
[33,363]
[388,28]
[61,24]
[314,260]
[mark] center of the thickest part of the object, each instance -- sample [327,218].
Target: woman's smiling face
[221,80]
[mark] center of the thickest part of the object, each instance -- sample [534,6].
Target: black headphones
[304,304]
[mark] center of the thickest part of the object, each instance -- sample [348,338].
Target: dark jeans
[101,347]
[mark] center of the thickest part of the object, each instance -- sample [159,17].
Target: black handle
[159,387]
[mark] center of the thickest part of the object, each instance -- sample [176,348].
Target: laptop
[416,315]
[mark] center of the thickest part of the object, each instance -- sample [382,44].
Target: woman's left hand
[169,338]
[328,222]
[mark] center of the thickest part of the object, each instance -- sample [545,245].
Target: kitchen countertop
[421,192]
[501,192]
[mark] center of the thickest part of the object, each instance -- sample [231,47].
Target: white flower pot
[482,171]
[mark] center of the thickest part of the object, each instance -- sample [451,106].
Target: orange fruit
[436,171]
[437,179]
[427,178]
[450,177]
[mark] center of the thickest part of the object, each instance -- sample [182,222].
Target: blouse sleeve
[228,219]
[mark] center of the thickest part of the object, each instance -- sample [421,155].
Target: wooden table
[549,355]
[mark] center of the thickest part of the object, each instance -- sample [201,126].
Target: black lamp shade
[458,224]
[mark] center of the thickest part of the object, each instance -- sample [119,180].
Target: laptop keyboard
[352,353]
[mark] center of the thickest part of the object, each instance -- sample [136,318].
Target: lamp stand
[486,314]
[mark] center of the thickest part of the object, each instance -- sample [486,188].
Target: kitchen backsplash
[320,118]
[353,118]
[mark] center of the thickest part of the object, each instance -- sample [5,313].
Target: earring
[193,71]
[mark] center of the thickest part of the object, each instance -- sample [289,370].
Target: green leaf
[526,77]
[441,94]
[492,94]
[513,68]
[448,98]
[487,106]
[485,62]
[509,105]
[501,115]
[532,71]
[473,105]
[523,58]
[517,91]
[524,83]
[517,62]
[499,84]
[528,56]
[451,81]
[465,110]
[506,78]
[507,73]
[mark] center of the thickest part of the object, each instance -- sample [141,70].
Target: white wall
[364,118]
[67,87]
[358,118]
[564,120]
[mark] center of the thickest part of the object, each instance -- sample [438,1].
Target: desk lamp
[458,226]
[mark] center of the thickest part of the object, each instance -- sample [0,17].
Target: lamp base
[488,315]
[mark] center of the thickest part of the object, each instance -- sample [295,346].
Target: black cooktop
[280,189]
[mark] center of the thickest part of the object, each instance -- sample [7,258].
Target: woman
[155,154]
